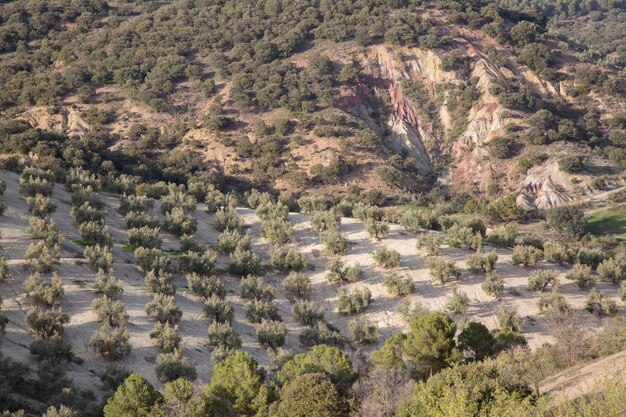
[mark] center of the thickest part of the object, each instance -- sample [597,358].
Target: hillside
[229,208]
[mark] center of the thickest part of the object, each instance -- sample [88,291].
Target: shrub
[46,323]
[218,310]
[151,259]
[503,236]
[307,312]
[334,241]
[95,233]
[111,342]
[229,240]
[376,229]
[553,304]
[177,199]
[541,279]
[502,147]
[53,349]
[164,308]
[82,195]
[44,229]
[160,281]
[482,263]
[135,203]
[571,163]
[109,312]
[49,293]
[86,213]
[179,222]
[557,253]
[337,271]
[271,333]
[167,337]
[4,269]
[458,302]
[200,263]
[622,290]
[214,200]
[287,258]
[430,242]
[386,258]
[321,334]
[398,285]
[189,244]
[508,318]
[364,331]
[205,286]
[227,219]
[582,275]
[222,335]
[322,221]
[252,287]
[442,271]
[592,257]
[31,186]
[40,205]
[99,257]
[493,284]
[244,262]
[256,311]
[612,270]
[526,255]
[297,286]
[354,301]
[598,304]
[465,236]
[569,220]
[277,231]
[172,366]
[144,237]
[42,257]
[136,220]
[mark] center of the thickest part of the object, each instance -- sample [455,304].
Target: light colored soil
[580,380]
[78,279]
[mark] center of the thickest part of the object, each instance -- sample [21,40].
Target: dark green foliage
[354,301]
[569,220]
[476,342]
[312,395]
[135,397]
[171,366]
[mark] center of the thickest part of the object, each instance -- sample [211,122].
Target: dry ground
[78,279]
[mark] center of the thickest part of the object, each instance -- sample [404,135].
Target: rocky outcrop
[544,187]
[66,120]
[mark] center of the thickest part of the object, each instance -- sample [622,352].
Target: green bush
[307,312]
[172,366]
[200,263]
[493,284]
[244,262]
[442,271]
[151,259]
[526,255]
[222,335]
[111,342]
[322,221]
[541,279]
[297,286]
[482,263]
[430,242]
[598,304]
[277,231]
[376,229]
[569,220]
[40,205]
[334,242]
[502,147]
[338,272]
[43,291]
[166,337]
[582,275]
[45,323]
[144,237]
[321,334]
[386,258]
[287,258]
[557,253]
[612,270]
[364,331]
[42,257]
[109,312]
[252,287]
[229,240]
[135,204]
[590,256]
[205,286]
[160,281]
[228,220]
[508,318]
[354,301]
[398,285]
[95,233]
[100,257]
[256,311]
[571,163]
[164,309]
[458,302]
[179,222]
[218,310]
[271,333]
